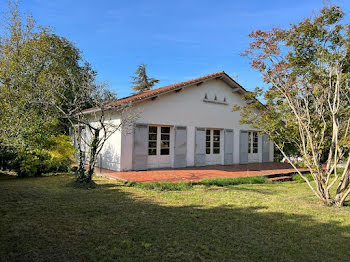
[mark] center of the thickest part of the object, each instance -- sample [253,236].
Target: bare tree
[308,101]
[87,108]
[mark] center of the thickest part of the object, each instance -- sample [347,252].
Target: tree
[141,82]
[308,99]
[92,127]
[29,55]
[44,87]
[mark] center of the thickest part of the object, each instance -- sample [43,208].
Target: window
[216,141]
[212,141]
[152,141]
[165,140]
[252,142]
[207,141]
[255,142]
[249,142]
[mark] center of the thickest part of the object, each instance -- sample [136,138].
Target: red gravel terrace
[189,174]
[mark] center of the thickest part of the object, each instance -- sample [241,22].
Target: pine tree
[141,82]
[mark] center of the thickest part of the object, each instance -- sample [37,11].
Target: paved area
[198,173]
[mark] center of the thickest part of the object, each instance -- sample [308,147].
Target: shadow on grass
[253,190]
[108,223]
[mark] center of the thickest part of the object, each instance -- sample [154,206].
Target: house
[185,124]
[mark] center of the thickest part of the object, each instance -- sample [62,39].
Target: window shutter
[243,147]
[228,139]
[180,146]
[199,157]
[140,153]
[265,149]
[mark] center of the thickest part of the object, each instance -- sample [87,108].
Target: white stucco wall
[187,108]
[110,155]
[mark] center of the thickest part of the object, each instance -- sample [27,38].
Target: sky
[177,40]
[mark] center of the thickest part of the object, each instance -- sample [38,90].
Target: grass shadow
[42,220]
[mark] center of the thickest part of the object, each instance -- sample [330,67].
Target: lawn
[42,219]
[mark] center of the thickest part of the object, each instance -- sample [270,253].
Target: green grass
[299,179]
[42,219]
[230,181]
[161,186]
[182,186]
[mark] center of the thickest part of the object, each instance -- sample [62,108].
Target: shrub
[57,157]
[32,162]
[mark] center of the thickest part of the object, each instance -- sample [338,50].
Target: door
[140,147]
[253,154]
[180,146]
[212,147]
[158,147]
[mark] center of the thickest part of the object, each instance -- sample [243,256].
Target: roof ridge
[161,90]
[175,85]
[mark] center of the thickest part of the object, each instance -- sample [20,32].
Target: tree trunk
[93,151]
[81,170]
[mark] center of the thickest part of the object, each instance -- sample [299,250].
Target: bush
[7,157]
[228,181]
[56,158]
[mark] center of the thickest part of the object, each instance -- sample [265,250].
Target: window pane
[165,144]
[152,129]
[207,144]
[165,129]
[165,137]
[216,151]
[152,144]
[207,132]
[216,132]
[152,152]
[207,151]
[164,151]
[152,136]
[216,138]
[207,138]
[216,144]
[255,150]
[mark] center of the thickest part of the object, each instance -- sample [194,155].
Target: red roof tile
[162,90]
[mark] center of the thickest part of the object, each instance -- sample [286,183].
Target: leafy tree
[30,57]
[141,82]
[308,101]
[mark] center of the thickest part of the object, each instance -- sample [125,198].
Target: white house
[185,124]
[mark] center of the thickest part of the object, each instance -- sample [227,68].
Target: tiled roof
[162,90]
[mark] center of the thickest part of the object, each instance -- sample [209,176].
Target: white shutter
[243,147]
[140,153]
[180,146]
[228,139]
[265,149]
[199,157]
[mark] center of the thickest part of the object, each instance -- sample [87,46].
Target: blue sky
[178,40]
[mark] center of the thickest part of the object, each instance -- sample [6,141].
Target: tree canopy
[141,82]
